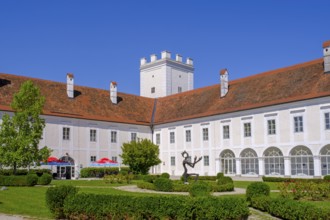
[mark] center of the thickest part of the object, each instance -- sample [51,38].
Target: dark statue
[186,162]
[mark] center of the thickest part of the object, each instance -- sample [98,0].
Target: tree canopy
[140,155]
[20,134]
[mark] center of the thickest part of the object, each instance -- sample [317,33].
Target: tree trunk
[15,168]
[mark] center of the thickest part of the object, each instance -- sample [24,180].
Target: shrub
[24,172]
[283,179]
[100,171]
[45,179]
[200,189]
[220,175]
[96,206]
[31,179]
[257,189]
[55,197]
[224,180]
[146,185]
[150,178]
[163,184]
[192,178]
[165,175]
[327,177]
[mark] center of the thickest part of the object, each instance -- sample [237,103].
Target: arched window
[228,163]
[302,161]
[274,161]
[249,162]
[325,160]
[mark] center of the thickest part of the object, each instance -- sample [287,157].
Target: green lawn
[30,201]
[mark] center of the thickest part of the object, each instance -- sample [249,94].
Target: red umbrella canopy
[52,159]
[105,160]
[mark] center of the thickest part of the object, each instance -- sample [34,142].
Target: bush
[96,206]
[15,181]
[146,185]
[165,175]
[150,178]
[192,178]
[224,180]
[283,179]
[163,184]
[45,179]
[200,189]
[257,189]
[31,179]
[327,177]
[55,197]
[100,172]
[24,172]
[220,175]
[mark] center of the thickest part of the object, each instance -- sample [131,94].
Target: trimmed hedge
[56,196]
[163,184]
[327,177]
[199,189]
[94,206]
[224,180]
[165,175]
[283,179]
[24,172]
[289,209]
[192,178]
[27,180]
[45,179]
[100,171]
[257,189]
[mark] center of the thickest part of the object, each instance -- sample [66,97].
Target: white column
[261,166]
[238,167]
[317,166]
[217,166]
[287,166]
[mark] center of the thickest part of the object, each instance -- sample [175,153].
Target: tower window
[179,89]
[153,89]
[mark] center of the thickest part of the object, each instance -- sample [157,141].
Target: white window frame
[158,138]
[188,135]
[206,160]
[179,89]
[92,135]
[225,132]
[172,160]
[113,136]
[133,136]
[172,137]
[327,120]
[298,125]
[66,133]
[247,132]
[205,133]
[271,127]
[93,158]
[114,158]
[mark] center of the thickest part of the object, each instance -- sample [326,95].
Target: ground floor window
[302,161]
[325,160]
[228,162]
[249,162]
[274,161]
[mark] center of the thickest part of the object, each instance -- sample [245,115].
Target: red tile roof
[295,83]
[326,44]
[89,103]
[223,71]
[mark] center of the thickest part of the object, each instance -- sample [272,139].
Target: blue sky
[101,41]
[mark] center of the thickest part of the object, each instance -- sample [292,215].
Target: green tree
[140,155]
[21,133]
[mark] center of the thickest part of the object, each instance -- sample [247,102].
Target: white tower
[163,77]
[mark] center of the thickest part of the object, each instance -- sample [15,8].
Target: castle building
[276,123]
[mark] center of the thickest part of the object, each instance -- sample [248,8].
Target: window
[298,124]
[271,126]
[158,139]
[206,161]
[172,161]
[133,136]
[205,134]
[66,133]
[226,134]
[327,120]
[93,158]
[188,135]
[92,135]
[172,137]
[179,89]
[153,90]
[113,136]
[114,158]
[247,129]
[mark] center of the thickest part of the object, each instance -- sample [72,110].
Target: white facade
[163,77]
[273,152]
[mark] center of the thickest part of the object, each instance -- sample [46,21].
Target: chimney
[178,58]
[326,54]
[153,57]
[223,82]
[189,61]
[70,85]
[113,92]
[143,61]
[166,54]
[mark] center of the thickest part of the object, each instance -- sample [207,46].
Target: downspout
[152,120]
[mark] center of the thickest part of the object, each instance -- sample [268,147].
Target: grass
[30,201]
